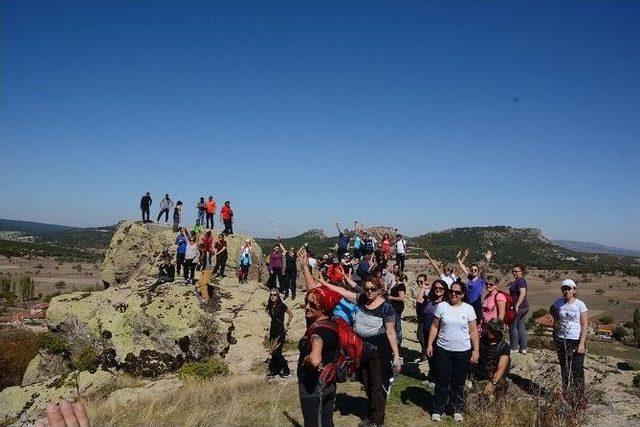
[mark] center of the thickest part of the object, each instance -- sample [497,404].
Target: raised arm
[463,267]
[433,264]
[487,261]
[306,272]
[338,228]
[348,295]
[284,251]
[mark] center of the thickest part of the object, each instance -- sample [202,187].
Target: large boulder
[136,250]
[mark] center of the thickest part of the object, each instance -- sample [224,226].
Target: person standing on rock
[145,205]
[191,260]
[226,213]
[245,265]
[277,333]
[177,211]
[181,240]
[201,208]
[343,241]
[207,241]
[220,247]
[165,204]
[571,319]
[210,208]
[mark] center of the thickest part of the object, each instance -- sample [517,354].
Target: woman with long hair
[455,332]
[428,305]
[277,333]
[570,336]
[518,292]
[375,322]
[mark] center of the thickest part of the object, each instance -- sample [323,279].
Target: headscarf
[326,298]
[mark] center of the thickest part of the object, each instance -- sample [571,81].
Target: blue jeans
[518,332]
[201,215]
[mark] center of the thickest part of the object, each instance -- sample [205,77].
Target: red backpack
[509,308]
[350,350]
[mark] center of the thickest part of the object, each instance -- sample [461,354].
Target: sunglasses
[370,290]
[456,292]
[566,288]
[420,282]
[438,288]
[312,305]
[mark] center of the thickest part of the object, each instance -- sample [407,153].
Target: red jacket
[226,212]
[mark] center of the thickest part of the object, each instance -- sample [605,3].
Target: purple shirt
[275,260]
[514,291]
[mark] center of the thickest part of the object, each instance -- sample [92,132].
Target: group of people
[205,212]
[462,327]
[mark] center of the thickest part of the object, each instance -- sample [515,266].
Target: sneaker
[422,360]
[523,351]
[271,376]
[457,417]
[285,375]
[436,417]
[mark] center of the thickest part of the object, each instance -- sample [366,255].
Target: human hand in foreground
[489,389]
[65,414]
[397,365]
[475,355]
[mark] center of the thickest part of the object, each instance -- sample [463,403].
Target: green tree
[26,288]
[5,286]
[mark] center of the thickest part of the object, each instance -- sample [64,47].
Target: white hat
[569,282]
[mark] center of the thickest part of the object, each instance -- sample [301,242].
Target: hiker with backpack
[375,323]
[475,284]
[496,304]
[455,334]
[277,333]
[319,351]
[245,265]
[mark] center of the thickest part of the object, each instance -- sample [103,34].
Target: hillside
[22,238]
[510,245]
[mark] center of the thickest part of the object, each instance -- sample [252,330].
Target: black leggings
[317,407]
[189,269]
[221,261]
[400,261]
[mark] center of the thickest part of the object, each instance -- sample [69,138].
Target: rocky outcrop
[136,249]
[44,366]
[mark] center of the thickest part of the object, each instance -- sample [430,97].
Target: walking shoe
[436,417]
[421,360]
[523,351]
[429,384]
[285,375]
[457,417]
[271,376]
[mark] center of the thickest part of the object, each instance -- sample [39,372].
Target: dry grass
[17,348]
[228,401]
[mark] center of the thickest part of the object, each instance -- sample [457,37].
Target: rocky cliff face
[135,325]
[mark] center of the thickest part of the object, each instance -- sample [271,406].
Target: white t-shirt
[454,326]
[449,279]
[569,316]
[401,246]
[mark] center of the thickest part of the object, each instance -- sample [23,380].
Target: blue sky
[421,114]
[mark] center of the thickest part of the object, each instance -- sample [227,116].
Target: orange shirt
[335,273]
[211,206]
[226,212]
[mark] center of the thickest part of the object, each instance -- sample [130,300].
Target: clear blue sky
[421,114]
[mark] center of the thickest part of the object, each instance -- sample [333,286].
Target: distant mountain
[595,248]
[29,227]
[77,238]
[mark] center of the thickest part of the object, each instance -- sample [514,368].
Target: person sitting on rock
[198,228]
[494,361]
[166,270]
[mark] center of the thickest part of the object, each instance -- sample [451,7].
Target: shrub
[539,313]
[51,343]
[606,320]
[636,381]
[620,332]
[60,284]
[87,360]
[600,291]
[204,370]
[18,346]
